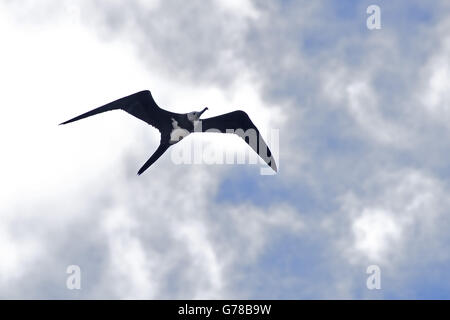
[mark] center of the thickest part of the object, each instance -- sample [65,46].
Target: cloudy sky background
[363,118]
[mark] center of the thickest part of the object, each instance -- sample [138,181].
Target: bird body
[177,132]
[175,126]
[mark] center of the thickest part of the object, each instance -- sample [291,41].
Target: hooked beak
[201,112]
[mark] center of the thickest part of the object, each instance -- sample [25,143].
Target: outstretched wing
[158,153]
[238,122]
[140,104]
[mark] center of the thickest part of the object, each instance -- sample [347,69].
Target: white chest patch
[177,133]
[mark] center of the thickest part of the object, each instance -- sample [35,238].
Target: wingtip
[273,165]
[65,122]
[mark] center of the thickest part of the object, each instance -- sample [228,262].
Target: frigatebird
[175,126]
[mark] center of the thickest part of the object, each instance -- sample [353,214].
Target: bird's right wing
[140,104]
[238,122]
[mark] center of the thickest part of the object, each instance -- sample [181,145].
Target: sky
[363,122]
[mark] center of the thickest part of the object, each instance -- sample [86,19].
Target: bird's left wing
[238,122]
[139,104]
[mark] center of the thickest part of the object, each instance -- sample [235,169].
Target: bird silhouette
[175,126]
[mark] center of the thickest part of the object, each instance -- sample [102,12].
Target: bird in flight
[175,126]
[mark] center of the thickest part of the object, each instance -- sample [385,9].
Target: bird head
[195,115]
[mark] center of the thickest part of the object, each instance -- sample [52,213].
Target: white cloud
[239,7]
[152,235]
[357,96]
[130,270]
[362,105]
[17,251]
[358,156]
[376,232]
[397,207]
[435,85]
